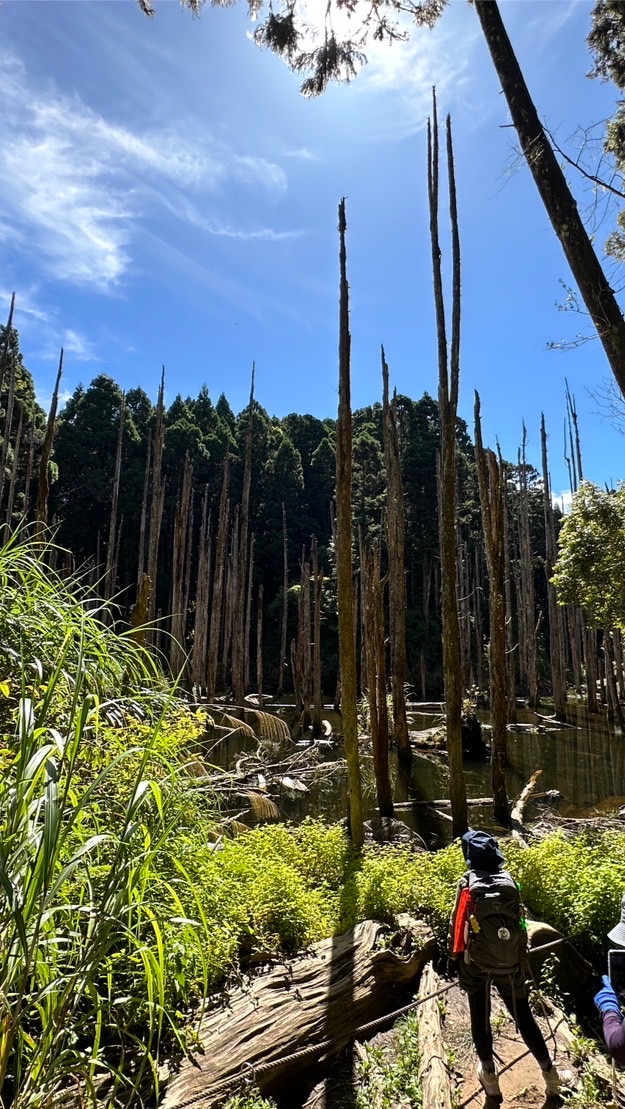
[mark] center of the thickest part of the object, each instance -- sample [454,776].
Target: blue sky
[167,197]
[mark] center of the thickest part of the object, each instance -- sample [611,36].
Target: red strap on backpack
[462,915]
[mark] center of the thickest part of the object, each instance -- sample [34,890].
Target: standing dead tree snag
[491,478]
[44,485]
[448,379]
[396,544]
[239,600]
[344,574]
[556,638]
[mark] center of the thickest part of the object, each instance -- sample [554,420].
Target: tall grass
[85,990]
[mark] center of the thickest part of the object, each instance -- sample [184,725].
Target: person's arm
[614,1036]
[609,1006]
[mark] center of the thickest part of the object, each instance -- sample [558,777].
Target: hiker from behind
[611,996]
[488,943]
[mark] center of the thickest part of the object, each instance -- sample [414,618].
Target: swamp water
[584,761]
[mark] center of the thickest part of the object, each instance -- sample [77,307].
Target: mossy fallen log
[323,995]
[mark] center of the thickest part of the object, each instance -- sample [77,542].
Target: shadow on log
[326,994]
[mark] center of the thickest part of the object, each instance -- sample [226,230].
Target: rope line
[250,1072]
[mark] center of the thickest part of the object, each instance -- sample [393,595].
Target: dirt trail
[522,1084]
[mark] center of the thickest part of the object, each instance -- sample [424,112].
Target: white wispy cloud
[79,345]
[74,185]
[562,500]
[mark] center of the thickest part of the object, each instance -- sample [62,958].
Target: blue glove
[606,1000]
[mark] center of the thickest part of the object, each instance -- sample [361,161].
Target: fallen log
[433,1071]
[315,1002]
[572,973]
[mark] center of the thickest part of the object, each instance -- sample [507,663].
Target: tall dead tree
[556,196]
[202,597]
[8,423]
[110,572]
[285,601]
[248,615]
[15,467]
[144,517]
[491,481]
[556,645]
[46,449]
[318,592]
[238,615]
[177,650]
[156,508]
[396,544]
[344,571]
[448,380]
[221,554]
[373,633]
[259,646]
[527,599]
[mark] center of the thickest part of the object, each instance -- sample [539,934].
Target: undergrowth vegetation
[117,914]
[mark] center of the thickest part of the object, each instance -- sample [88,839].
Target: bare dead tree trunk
[156,512]
[14,467]
[528,595]
[232,592]
[376,680]
[285,598]
[558,673]
[556,196]
[144,517]
[5,347]
[396,544]
[110,571]
[177,651]
[614,707]
[344,573]
[238,615]
[478,593]
[464,626]
[577,449]
[448,378]
[218,585]
[259,646]
[511,642]
[202,597]
[318,591]
[46,449]
[490,479]
[29,473]
[248,616]
[590,649]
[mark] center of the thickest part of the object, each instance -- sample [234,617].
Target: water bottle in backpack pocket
[496,933]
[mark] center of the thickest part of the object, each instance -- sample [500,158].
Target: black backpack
[496,933]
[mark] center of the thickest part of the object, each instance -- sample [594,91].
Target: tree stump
[324,995]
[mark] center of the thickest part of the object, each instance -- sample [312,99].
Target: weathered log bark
[556,196]
[344,572]
[448,379]
[433,1070]
[344,982]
